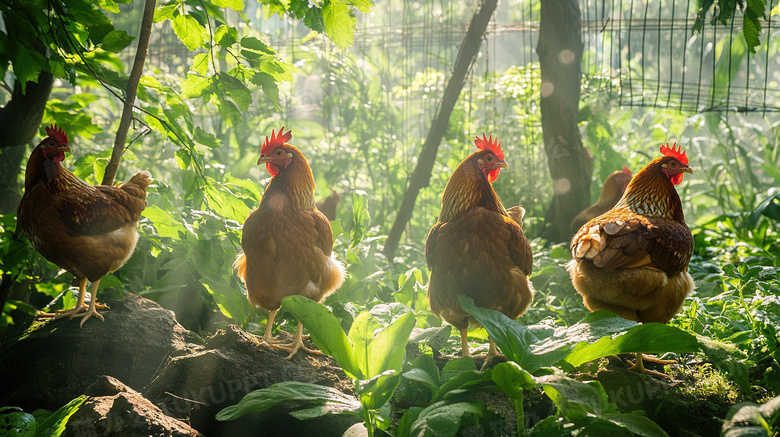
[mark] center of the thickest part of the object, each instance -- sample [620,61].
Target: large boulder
[197,386]
[45,364]
[114,409]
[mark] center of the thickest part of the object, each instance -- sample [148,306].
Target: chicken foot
[81,309]
[640,368]
[492,353]
[297,344]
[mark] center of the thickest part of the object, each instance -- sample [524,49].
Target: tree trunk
[20,119]
[422,172]
[560,56]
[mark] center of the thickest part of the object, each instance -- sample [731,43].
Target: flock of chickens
[630,250]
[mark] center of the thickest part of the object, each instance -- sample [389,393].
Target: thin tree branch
[422,172]
[132,90]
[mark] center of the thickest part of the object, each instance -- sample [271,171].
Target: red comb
[486,143]
[57,133]
[626,170]
[276,140]
[676,153]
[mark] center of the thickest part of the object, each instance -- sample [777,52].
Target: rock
[114,409]
[198,385]
[136,340]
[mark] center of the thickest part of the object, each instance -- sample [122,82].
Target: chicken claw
[296,345]
[640,368]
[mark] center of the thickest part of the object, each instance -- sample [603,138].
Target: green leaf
[16,423]
[512,338]
[647,338]
[442,419]
[27,66]
[200,65]
[577,400]
[54,425]
[340,23]
[314,20]
[388,348]
[254,48]
[205,138]
[377,391]
[226,36]
[360,334]
[360,217]
[636,423]
[166,12]
[183,158]
[257,401]
[270,87]
[116,40]
[196,86]
[236,89]
[325,331]
[728,358]
[236,5]
[225,203]
[190,31]
[425,370]
[166,225]
[512,379]
[363,6]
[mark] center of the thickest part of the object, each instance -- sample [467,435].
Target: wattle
[272,168]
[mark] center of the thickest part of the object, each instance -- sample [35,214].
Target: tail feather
[138,184]
[240,266]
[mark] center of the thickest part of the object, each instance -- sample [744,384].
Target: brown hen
[287,242]
[476,249]
[633,260]
[88,230]
[611,192]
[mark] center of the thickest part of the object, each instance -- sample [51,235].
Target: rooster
[88,230]
[633,259]
[611,192]
[476,249]
[287,242]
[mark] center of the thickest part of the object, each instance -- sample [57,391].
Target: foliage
[38,424]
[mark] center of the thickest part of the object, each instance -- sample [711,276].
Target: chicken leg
[297,344]
[464,342]
[81,309]
[492,353]
[640,368]
[267,337]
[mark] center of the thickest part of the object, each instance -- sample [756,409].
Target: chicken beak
[503,164]
[263,160]
[63,148]
[687,169]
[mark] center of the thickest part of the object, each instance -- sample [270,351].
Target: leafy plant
[371,360]
[40,423]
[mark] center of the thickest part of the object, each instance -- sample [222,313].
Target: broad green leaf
[224,203]
[205,138]
[254,48]
[116,40]
[196,86]
[54,425]
[340,23]
[270,87]
[512,338]
[363,6]
[442,419]
[651,338]
[468,381]
[27,66]
[325,331]
[728,358]
[263,399]
[455,367]
[236,90]
[313,20]
[377,391]
[200,65]
[422,376]
[407,420]
[189,31]
[636,423]
[577,400]
[386,350]
[166,225]
[16,423]
[425,371]
[360,217]
[166,12]
[512,379]
[226,36]
[360,334]
[236,5]
[227,110]
[183,158]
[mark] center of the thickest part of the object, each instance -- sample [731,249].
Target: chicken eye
[278,153]
[489,158]
[673,164]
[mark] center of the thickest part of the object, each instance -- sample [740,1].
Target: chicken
[476,249]
[88,230]
[516,213]
[611,192]
[329,204]
[287,242]
[633,259]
